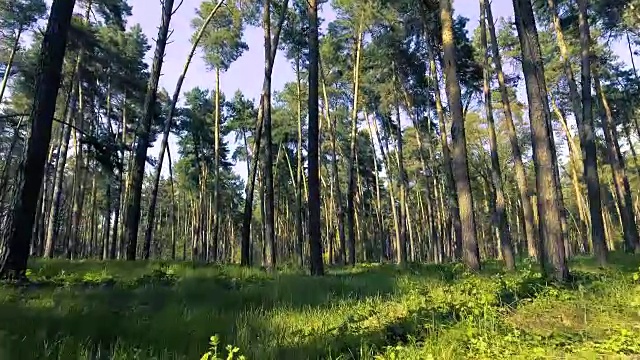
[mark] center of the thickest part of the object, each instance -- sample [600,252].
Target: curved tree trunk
[167,129]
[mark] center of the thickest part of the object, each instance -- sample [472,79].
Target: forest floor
[138,310]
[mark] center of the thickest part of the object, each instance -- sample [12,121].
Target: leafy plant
[212,353]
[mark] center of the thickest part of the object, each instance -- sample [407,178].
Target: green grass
[125,310]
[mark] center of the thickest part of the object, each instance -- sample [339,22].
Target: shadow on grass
[160,310]
[158,313]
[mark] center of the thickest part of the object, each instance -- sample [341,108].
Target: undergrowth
[126,310]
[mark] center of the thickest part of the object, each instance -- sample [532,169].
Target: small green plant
[636,276]
[212,353]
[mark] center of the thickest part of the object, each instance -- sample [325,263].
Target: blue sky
[246,74]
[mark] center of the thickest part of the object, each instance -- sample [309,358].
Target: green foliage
[212,353]
[162,310]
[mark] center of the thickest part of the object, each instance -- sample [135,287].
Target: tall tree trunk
[54,211]
[140,159]
[299,209]
[352,149]
[167,129]
[460,166]
[337,194]
[554,263]
[574,157]
[79,176]
[620,179]
[587,142]
[451,195]
[9,65]
[270,241]
[315,240]
[245,259]
[521,177]
[216,170]
[13,264]
[402,181]
[379,216]
[500,215]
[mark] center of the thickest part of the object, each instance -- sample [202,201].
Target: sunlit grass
[138,310]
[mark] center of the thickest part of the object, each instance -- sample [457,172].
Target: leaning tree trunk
[140,159]
[13,264]
[167,130]
[554,263]
[620,179]
[471,255]
[500,214]
[521,177]
[9,65]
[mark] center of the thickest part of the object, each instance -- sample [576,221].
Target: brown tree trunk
[451,195]
[352,154]
[315,240]
[554,261]
[167,130]
[620,179]
[140,159]
[13,264]
[520,174]
[502,225]
[248,205]
[460,167]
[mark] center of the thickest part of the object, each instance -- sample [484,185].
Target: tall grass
[127,310]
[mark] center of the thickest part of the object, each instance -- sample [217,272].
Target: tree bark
[9,66]
[167,129]
[460,166]
[248,205]
[520,174]
[270,241]
[352,150]
[554,261]
[315,240]
[451,195]
[500,215]
[587,142]
[620,179]
[401,255]
[13,264]
[140,159]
